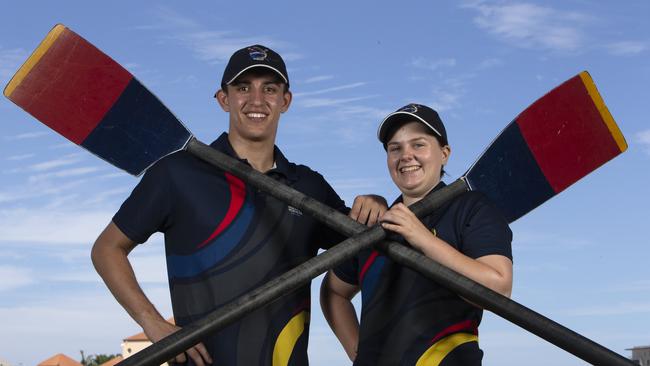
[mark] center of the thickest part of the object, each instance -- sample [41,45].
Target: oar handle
[504,307]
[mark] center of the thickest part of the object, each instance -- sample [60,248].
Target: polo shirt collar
[437,187]
[282,165]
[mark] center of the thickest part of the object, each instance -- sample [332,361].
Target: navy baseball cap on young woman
[253,57]
[413,112]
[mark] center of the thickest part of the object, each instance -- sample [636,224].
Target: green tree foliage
[96,360]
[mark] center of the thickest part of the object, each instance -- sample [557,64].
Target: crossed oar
[527,164]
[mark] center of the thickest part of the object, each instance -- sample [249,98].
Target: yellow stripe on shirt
[439,350]
[288,337]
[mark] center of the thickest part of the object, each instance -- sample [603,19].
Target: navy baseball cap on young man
[253,57]
[413,112]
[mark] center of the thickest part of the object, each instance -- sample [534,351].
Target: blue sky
[580,259]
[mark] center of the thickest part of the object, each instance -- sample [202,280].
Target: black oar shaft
[191,334]
[506,308]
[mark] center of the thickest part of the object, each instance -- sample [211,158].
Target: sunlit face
[414,159]
[255,103]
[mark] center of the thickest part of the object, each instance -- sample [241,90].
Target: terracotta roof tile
[60,360]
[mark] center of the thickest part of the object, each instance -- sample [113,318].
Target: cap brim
[383,126]
[258,65]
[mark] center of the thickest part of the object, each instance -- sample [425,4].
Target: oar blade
[560,138]
[81,93]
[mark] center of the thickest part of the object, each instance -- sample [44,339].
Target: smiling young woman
[405,318]
[415,160]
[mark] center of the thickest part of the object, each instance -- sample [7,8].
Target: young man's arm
[368,208]
[110,258]
[336,303]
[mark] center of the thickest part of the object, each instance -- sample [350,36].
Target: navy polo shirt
[407,318]
[224,238]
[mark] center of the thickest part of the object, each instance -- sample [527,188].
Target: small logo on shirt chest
[294,211]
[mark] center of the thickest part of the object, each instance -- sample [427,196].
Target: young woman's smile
[415,159]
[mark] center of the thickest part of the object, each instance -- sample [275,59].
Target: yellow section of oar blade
[36,56]
[604,112]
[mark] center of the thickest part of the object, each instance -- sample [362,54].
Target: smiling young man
[222,237]
[407,319]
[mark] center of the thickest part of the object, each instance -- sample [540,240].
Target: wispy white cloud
[329,90]
[149,268]
[19,157]
[58,227]
[432,65]
[12,255]
[643,138]
[324,348]
[114,175]
[530,25]
[55,163]
[627,48]
[490,63]
[42,189]
[368,183]
[12,277]
[217,46]
[65,173]
[638,286]
[64,145]
[360,111]
[210,45]
[106,196]
[527,240]
[318,78]
[329,102]
[621,308]
[545,267]
[56,183]
[10,60]
[28,135]
[447,93]
[349,122]
[444,100]
[174,19]
[89,320]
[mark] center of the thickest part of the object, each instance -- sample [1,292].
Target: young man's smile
[255,102]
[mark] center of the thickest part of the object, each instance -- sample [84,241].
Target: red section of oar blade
[70,85]
[567,134]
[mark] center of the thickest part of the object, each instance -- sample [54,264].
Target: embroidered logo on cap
[411,108]
[257,53]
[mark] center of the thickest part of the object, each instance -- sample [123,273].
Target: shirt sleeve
[148,208]
[485,231]
[348,271]
[328,237]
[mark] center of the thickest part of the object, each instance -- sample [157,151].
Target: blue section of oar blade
[509,175]
[137,131]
